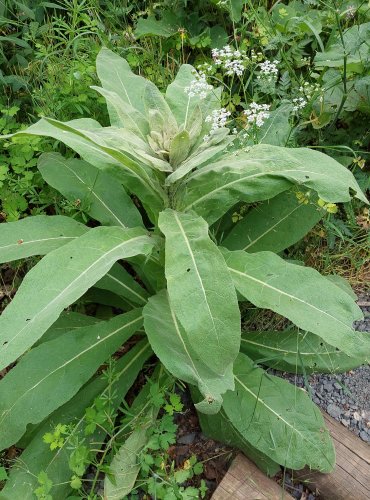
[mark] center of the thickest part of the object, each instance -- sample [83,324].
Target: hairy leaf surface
[85,137]
[97,192]
[37,235]
[181,104]
[123,115]
[61,278]
[115,75]
[68,321]
[262,173]
[220,428]
[52,373]
[273,225]
[278,418]
[302,295]
[171,344]
[296,352]
[125,465]
[120,282]
[200,290]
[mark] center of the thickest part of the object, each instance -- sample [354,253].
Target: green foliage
[172,173]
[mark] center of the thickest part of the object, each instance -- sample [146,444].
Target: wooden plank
[244,481]
[350,479]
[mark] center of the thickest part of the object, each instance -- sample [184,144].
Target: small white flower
[198,87]
[299,103]
[230,60]
[269,69]
[257,113]
[351,11]
[218,119]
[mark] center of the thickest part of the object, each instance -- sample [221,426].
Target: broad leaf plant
[165,250]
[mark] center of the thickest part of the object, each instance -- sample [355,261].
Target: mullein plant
[161,185]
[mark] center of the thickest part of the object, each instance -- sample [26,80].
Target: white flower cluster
[229,59]
[218,118]
[198,87]
[307,89]
[257,113]
[268,70]
[351,11]
[299,103]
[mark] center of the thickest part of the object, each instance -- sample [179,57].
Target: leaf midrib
[271,228]
[327,353]
[288,424]
[198,276]
[103,256]
[277,173]
[29,242]
[266,285]
[91,190]
[66,363]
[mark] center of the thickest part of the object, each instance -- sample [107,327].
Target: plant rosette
[164,198]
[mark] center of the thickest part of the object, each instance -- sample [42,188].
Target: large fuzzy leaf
[273,225]
[154,101]
[125,465]
[171,344]
[302,295]
[277,128]
[262,173]
[38,457]
[37,235]
[61,278]
[296,352]
[200,289]
[86,137]
[278,419]
[220,428]
[68,321]
[120,282]
[58,369]
[115,75]
[97,192]
[123,115]
[151,271]
[183,106]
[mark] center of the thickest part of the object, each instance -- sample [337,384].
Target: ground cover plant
[168,249]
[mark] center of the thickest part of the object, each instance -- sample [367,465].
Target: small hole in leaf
[188,269]
[28,319]
[336,349]
[315,364]
[71,257]
[4,343]
[307,176]
[321,343]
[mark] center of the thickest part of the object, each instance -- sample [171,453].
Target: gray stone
[337,386]
[364,436]
[334,411]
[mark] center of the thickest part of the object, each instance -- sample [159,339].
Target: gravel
[345,397]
